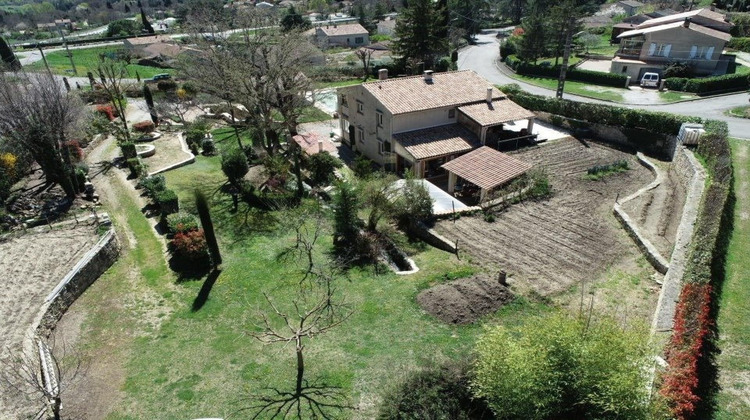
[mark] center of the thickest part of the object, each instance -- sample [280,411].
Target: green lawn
[604,93]
[86,60]
[734,312]
[182,364]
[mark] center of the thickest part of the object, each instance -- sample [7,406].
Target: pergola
[486,168]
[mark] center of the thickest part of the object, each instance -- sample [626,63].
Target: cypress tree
[8,57]
[204,213]
[146,25]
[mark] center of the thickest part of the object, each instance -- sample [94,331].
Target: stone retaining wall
[435,239]
[672,286]
[92,265]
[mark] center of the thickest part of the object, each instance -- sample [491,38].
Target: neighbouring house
[627,24]
[66,24]
[312,143]
[420,123]
[387,26]
[630,7]
[349,35]
[696,37]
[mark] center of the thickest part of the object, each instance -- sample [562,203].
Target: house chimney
[382,74]
[320,146]
[489,95]
[428,76]
[686,24]
[713,7]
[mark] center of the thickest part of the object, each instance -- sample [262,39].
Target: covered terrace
[488,120]
[484,169]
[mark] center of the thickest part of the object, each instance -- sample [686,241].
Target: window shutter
[693,51]
[709,53]
[652,48]
[667,49]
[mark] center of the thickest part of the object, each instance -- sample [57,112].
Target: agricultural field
[551,246]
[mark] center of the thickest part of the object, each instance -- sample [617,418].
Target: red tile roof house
[352,35]
[419,123]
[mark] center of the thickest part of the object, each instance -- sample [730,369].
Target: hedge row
[739,43]
[688,348]
[588,76]
[727,82]
[656,122]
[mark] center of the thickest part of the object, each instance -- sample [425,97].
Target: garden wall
[92,265]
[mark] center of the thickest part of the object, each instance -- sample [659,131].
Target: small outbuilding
[486,168]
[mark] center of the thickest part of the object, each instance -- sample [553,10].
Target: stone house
[696,37]
[349,35]
[419,123]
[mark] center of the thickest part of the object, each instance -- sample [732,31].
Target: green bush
[166,85]
[321,167]
[234,165]
[676,83]
[739,43]
[437,393]
[153,184]
[208,146]
[167,202]
[560,366]
[362,167]
[136,166]
[181,222]
[128,150]
[655,122]
[725,83]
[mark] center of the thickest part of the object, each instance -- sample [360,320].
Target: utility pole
[46,65]
[67,50]
[566,56]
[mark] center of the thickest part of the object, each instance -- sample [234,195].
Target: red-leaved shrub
[74,149]
[190,247]
[107,110]
[144,126]
[692,324]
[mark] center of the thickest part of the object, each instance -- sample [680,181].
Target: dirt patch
[32,265]
[464,301]
[168,152]
[658,212]
[550,245]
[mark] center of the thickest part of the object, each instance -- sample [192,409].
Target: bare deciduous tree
[112,75]
[39,115]
[261,69]
[44,373]
[365,57]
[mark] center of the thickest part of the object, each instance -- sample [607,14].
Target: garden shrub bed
[705,85]
[688,351]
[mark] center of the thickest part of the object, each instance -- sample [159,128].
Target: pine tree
[417,30]
[204,213]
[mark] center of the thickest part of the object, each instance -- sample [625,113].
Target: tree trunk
[300,369]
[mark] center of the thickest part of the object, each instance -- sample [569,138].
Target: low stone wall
[672,285]
[683,166]
[435,239]
[92,265]
[648,249]
[634,138]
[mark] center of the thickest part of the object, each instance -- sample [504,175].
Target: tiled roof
[704,13]
[341,30]
[148,40]
[486,167]
[498,112]
[309,143]
[409,94]
[692,27]
[437,141]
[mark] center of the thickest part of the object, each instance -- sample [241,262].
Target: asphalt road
[483,59]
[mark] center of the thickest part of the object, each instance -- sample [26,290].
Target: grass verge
[86,60]
[604,93]
[734,331]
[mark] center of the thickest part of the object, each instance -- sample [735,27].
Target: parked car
[650,80]
[160,76]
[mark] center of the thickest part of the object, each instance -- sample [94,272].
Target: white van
[650,80]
